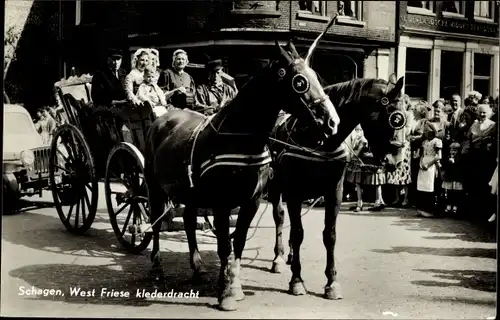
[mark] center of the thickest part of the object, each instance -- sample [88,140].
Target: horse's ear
[293,50]
[283,53]
[397,87]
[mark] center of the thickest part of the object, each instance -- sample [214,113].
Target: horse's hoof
[333,292]
[289,261]
[228,303]
[278,265]
[237,293]
[297,288]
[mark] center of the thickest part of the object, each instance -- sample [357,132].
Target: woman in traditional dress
[142,58]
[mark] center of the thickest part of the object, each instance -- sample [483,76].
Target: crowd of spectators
[450,160]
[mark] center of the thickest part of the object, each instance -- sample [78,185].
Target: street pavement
[391,264]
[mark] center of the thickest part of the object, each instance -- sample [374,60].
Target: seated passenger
[141,60]
[150,91]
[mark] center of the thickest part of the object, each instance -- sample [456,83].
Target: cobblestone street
[391,264]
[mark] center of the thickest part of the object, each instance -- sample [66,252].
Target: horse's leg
[296,235]
[245,217]
[157,203]
[221,224]
[190,216]
[279,219]
[332,208]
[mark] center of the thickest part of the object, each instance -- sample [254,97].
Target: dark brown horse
[305,169]
[223,162]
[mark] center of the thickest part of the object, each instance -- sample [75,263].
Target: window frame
[491,9]
[480,77]
[358,10]
[422,11]
[427,72]
[460,15]
[78,12]
[322,4]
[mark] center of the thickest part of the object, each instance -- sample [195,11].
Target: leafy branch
[11,38]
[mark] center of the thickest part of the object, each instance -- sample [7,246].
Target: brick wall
[380,18]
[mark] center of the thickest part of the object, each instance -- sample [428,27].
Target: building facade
[242,33]
[448,47]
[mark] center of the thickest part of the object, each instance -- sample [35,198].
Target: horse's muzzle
[332,119]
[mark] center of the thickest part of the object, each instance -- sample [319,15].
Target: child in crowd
[355,142]
[150,91]
[452,181]
[45,125]
[430,157]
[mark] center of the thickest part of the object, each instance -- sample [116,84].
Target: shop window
[417,73]
[313,7]
[451,73]
[482,73]
[484,10]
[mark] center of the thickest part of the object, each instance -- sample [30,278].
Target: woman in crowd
[421,111]
[400,178]
[429,160]
[480,152]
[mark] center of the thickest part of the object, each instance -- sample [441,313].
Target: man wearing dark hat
[214,95]
[109,82]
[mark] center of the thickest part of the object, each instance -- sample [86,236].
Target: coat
[106,87]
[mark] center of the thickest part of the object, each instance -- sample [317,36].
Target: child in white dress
[431,155]
[150,91]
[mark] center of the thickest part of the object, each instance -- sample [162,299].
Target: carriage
[90,148]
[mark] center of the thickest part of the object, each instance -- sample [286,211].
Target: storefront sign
[450,25]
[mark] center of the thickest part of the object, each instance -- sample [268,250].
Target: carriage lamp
[27,158]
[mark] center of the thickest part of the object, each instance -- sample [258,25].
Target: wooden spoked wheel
[73,179]
[127,197]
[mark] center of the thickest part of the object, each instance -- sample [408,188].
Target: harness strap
[239,160]
[196,133]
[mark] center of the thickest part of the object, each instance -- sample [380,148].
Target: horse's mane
[349,91]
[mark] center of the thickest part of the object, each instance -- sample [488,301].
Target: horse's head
[386,116]
[299,85]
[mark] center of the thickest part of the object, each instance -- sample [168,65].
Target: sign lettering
[448,24]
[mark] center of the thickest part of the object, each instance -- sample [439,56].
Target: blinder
[397,120]
[301,85]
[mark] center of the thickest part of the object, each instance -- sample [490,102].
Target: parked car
[25,157]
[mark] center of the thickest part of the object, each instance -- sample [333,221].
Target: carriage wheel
[127,197]
[72,177]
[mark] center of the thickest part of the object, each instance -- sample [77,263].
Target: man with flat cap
[214,95]
[108,83]
[178,85]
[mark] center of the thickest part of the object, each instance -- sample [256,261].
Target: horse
[222,162]
[305,169]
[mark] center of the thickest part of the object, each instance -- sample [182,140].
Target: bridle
[300,85]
